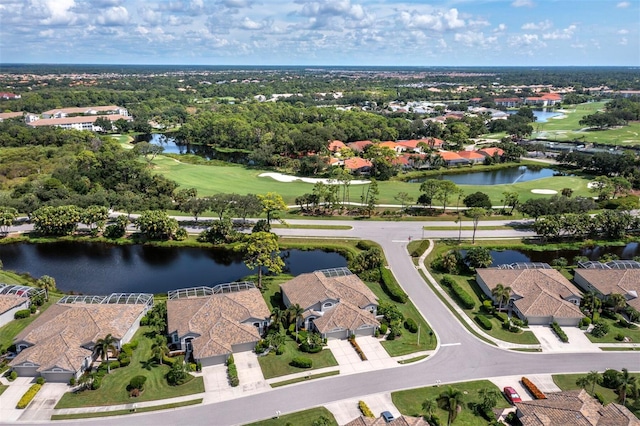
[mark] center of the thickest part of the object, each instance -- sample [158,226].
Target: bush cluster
[301,362]
[391,286]
[411,325]
[600,329]
[352,340]
[465,299]
[559,332]
[383,328]
[232,372]
[585,322]
[137,382]
[306,347]
[484,322]
[510,327]
[21,314]
[28,396]
[40,380]
[531,387]
[97,382]
[365,410]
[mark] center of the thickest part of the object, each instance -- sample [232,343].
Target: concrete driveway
[41,408]
[346,410]
[11,396]
[550,343]
[350,362]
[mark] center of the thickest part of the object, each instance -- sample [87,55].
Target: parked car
[387,416]
[512,395]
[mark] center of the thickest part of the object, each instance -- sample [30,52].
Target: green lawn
[468,283]
[92,415]
[304,379]
[335,227]
[8,277]
[278,365]
[301,418]
[569,128]
[113,390]
[409,402]
[614,329]
[9,331]
[3,388]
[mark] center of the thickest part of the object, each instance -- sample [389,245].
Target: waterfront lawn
[302,418]
[409,402]
[468,283]
[278,365]
[113,390]
[9,331]
[8,277]
[615,329]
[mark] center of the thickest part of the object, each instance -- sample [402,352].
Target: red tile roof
[359,145]
[471,155]
[449,156]
[357,163]
[491,151]
[335,146]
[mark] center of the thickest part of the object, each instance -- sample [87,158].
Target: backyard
[114,385]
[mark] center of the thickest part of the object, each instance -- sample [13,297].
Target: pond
[501,257]
[98,269]
[495,177]
[172,146]
[542,115]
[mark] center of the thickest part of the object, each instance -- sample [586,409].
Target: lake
[99,269]
[542,115]
[495,177]
[502,257]
[171,146]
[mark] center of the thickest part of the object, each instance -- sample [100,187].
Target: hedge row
[352,340]
[411,325]
[28,396]
[559,332]
[391,287]
[301,362]
[464,298]
[232,372]
[484,322]
[24,313]
[365,410]
[537,393]
[420,249]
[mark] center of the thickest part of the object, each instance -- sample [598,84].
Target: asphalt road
[460,356]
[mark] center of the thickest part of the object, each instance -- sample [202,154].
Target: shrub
[114,231]
[411,325]
[137,382]
[306,347]
[517,322]
[624,323]
[280,350]
[610,378]
[484,322]
[600,329]
[72,381]
[261,346]
[465,299]
[559,332]
[352,340]
[510,327]
[487,306]
[619,337]
[21,314]
[365,410]
[232,374]
[391,286]
[301,362]
[531,387]
[501,316]
[447,281]
[97,382]
[178,374]
[181,234]
[124,360]
[585,322]
[33,309]
[40,380]
[383,328]
[28,396]
[12,376]
[396,330]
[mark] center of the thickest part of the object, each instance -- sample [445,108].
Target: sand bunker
[544,191]
[287,178]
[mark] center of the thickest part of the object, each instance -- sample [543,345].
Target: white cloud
[437,21]
[118,15]
[526,40]
[623,4]
[500,28]
[623,31]
[624,41]
[564,34]
[56,12]
[542,26]
[470,38]
[522,3]
[248,24]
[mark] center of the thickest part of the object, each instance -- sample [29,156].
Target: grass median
[93,415]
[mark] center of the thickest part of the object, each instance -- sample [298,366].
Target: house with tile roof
[81,122]
[612,280]
[9,305]
[358,165]
[539,294]
[211,323]
[59,344]
[546,99]
[92,110]
[473,157]
[491,152]
[336,146]
[358,146]
[452,158]
[8,115]
[396,147]
[576,408]
[335,302]
[507,102]
[380,421]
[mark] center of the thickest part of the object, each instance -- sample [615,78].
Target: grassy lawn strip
[409,402]
[293,226]
[125,412]
[614,329]
[410,360]
[470,228]
[467,282]
[614,349]
[454,312]
[304,379]
[306,417]
[113,390]
[3,388]
[278,365]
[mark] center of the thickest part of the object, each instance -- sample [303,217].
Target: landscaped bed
[114,385]
[278,365]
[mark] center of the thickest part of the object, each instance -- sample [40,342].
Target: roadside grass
[481,226]
[113,390]
[467,282]
[278,365]
[293,226]
[3,388]
[125,412]
[409,402]
[614,328]
[412,360]
[301,418]
[304,379]
[9,331]
[568,382]
[614,349]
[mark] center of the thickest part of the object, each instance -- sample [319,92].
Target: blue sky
[324,32]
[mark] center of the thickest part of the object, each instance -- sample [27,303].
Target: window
[327,305]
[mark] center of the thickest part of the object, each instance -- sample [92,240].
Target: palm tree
[617,301]
[450,401]
[592,302]
[103,346]
[583,382]
[47,283]
[502,294]
[159,348]
[295,314]
[593,378]
[278,316]
[428,406]
[627,382]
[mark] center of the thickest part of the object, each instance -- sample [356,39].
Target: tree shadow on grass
[149,364]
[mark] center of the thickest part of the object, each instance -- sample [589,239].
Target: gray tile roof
[620,281]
